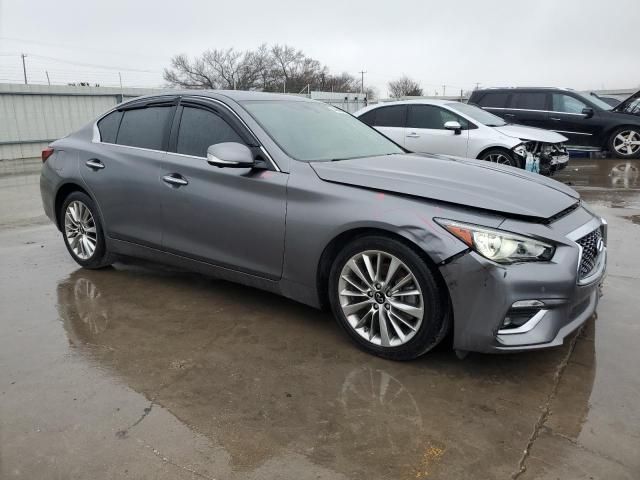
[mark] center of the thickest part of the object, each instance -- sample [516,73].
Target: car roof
[511,89]
[237,95]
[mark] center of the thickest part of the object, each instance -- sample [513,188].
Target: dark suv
[589,123]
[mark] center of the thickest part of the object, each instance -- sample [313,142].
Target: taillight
[46,153]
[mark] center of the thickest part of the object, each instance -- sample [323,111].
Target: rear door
[425,131]
[389,120]
[122,169]
[567,119]
[231,217]
[529,108]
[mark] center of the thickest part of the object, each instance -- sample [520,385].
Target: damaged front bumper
[525,306]
[548,157]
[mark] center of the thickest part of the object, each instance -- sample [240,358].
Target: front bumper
[483,295]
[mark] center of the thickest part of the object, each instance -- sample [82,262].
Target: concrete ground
[140,372]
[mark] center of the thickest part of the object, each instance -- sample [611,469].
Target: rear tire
[82,231]
[625,142]
[501,157]
[386,298]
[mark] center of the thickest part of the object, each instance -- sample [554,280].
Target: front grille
[590,252]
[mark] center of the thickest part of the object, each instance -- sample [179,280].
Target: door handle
[509,115]
[555,118]
[94,164]
[175,179]
[413,135]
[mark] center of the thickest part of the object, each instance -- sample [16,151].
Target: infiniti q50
[300,198]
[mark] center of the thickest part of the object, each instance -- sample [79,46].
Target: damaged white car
[457,129]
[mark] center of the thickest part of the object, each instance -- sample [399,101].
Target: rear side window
[494,99]
[392,116]
[199,129]
[145,127]
[530,101]
[429,116]
[108,127]
[369,117]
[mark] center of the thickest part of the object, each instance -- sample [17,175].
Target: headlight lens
[520,150]
[497,245]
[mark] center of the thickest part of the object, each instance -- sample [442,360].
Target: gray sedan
[301,199]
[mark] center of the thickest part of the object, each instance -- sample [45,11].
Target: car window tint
[199,129]
[530,101]
[392,116]
[108,127]
[145,127]
[432,117]
[369,117]
[567,103]
[494,99]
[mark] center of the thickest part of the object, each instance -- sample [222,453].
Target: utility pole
[24,68]
[120,78]
[362,80]
[48,79]
[444,87]
[477,85]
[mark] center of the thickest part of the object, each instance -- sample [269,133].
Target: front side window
[313,131]
[530,101]
[432,117]
[145,127]
[567,103]
[108,127]
[199,129]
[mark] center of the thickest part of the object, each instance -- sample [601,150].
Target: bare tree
[404,87]
[277,68]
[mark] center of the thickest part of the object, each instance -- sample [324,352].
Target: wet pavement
[141,372]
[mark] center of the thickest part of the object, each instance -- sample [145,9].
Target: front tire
[82,231]
[625,142]
[501,157]
[387,299]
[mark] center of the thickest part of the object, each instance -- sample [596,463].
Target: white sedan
[454,128]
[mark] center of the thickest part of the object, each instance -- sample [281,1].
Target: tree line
[277,68]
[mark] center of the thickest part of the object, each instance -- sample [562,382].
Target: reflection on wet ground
[142,372]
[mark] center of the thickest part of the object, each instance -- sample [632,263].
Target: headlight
[497,245]
[520,150]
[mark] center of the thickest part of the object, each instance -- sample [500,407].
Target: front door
[231,217]
[425,131]
[567,119]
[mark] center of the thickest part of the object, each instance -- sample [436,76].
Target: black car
[589,123]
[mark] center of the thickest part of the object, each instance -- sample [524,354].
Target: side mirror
[453,125]
[230,155]
[587,112]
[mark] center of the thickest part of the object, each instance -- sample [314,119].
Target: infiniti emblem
[600,245]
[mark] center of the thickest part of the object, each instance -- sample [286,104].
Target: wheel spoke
[355,269]
[401,283]
[393,268]
[409,309]
[384,333]
[404,322]
[363,321]
[352,283]
[369,265]
[396,328]
[378,267]
[351,293]
[355,307]
[405,293]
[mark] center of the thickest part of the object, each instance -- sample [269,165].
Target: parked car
[590,123]
[453,128]
[301,199]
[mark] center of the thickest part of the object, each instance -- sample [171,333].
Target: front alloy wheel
[625,143]
[381,298]
[385,296]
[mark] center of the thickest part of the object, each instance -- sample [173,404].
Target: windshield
[314,131]
[478,114]
[595,100]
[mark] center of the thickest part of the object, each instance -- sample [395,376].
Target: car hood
[471,183]
[623,106]
[531,133]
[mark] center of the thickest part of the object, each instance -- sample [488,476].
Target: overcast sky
[583,44]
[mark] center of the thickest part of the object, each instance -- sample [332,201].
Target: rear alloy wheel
[82,231]
[386,298]
[501,157]
[625,143]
